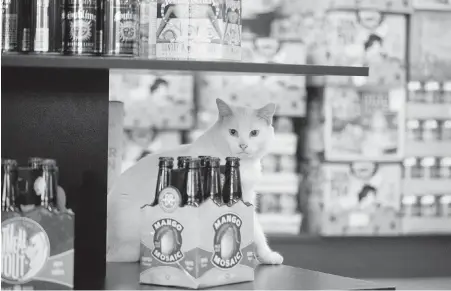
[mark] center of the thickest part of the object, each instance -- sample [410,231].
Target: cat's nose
[243,146]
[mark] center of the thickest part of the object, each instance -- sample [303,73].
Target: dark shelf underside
[86,62]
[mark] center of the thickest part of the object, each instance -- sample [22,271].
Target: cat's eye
[254,133]
[233,132]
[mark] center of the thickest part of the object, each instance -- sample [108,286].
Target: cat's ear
[267,112]
[223,108]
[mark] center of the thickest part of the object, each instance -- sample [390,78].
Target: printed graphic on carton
[38,251]
[362,125]
[227,241]
[167,240]
[217,245]
[367,38]
[25,250]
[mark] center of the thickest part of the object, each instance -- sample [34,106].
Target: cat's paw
[270,258]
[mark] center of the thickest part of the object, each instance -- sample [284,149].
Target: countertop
[124,276]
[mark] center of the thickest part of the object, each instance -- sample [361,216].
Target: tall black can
[100,24]
[80,27]
[121,31]
[24,38]
[10,18]
[44,25]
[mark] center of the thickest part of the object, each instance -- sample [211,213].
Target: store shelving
[83,62]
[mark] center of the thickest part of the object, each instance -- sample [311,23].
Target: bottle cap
[203,160]
[166,162]
[232,161]
[213,162]
[194,163]
[427,200]
[409,200]
[414,86]
[9,163]
[49,163]
[409,162]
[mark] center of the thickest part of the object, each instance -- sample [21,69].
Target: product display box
[430,59]
[160,101]
[198,30]
[367,38]
[394,6]
[364,124]
[288,92]
[196,247]
[361,198]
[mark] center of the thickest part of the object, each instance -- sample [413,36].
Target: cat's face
[247,132]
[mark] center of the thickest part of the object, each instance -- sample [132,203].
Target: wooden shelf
[92,62]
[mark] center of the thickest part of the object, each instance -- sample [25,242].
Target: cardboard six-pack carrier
[196,247]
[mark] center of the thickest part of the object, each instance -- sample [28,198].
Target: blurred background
[362,158]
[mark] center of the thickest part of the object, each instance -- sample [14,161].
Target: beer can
[430,130]
[410,206]
[427,164]
[446,92]
[445,206]
[416,93]
[446,130]
[445,168]
[10,18]
[432,93]
[428,206]
[414,129]
[80,25]
[148,29]
[25,26]
[121,27]
[100,22]
[417,169]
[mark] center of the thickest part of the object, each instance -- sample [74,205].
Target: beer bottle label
[80,27]
[169,199]
[9,25]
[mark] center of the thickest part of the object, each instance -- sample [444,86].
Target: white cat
[242,132]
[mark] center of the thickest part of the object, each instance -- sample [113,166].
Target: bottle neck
[9,190]
[48,200]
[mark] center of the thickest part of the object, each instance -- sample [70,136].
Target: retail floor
[417,283]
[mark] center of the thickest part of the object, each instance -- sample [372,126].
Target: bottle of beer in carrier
[192,192]
[9,189]
[165,166]
[231,191]
[182,162]
[213,181]
[35,164]
[203,170]
[50,175]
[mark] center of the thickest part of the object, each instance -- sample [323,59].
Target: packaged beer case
[195,242]
[37,240]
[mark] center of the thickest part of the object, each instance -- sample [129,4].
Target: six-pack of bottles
[168,29]
[198,231]
[37,229]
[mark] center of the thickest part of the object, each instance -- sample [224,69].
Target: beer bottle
[36,164]
[50,175]
[182,162]
[9,188]
[165,166]
[203,171]
[232,192]
[192,190]
[213,181]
